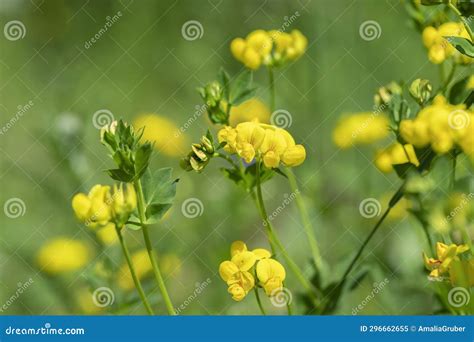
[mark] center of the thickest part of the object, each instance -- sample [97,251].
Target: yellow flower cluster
[360,128]
[268,47]
[395,154]
[272,144]
[101,206]
[63,255]
[446,255]
[439,48]
[237,272]
[441,126]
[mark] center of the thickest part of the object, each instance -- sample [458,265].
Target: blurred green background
[142,64]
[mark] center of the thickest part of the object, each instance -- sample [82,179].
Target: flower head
[394,155]
[63,255]
[446,255]
[239,272]
[272,48]
[439,49]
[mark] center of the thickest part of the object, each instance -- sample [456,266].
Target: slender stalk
[276,243]
[464,21]
[271,85]
[257,296]
[394,200]
[131,267]
[308,228]
[156,269]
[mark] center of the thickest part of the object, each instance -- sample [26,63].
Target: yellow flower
[271,275]
[124,201]
[63,255]
[394,155]
[272,144]
[93,209]
[439,49]
[268,48]
[86,303]
[446,255]
[107,234]
[250,110]
[360,128]
[441,126]
[167,137]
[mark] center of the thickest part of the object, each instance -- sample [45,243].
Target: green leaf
[463,45]
[233,175]
[142,158]
[240,85]
[159,190]
[224,80]
[120,175]
[244,96]
[403,170]
[458,91]
[123,162]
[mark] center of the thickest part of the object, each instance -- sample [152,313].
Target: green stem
[276,243]
[271,86]
[156,269]
[305,219]
[453,174]
[393,201]
[131,267]
[257,296]
[464,21]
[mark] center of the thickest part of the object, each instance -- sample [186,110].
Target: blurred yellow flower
[62,255]
[441,126]
[167,137]
[446,255]
[86,304]
[360,128]
[268,48]
[250,110]
[439,49]
[272,144]
[395,154]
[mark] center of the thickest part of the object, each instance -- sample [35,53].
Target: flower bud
[294,155]
[420,90]
[384,94]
